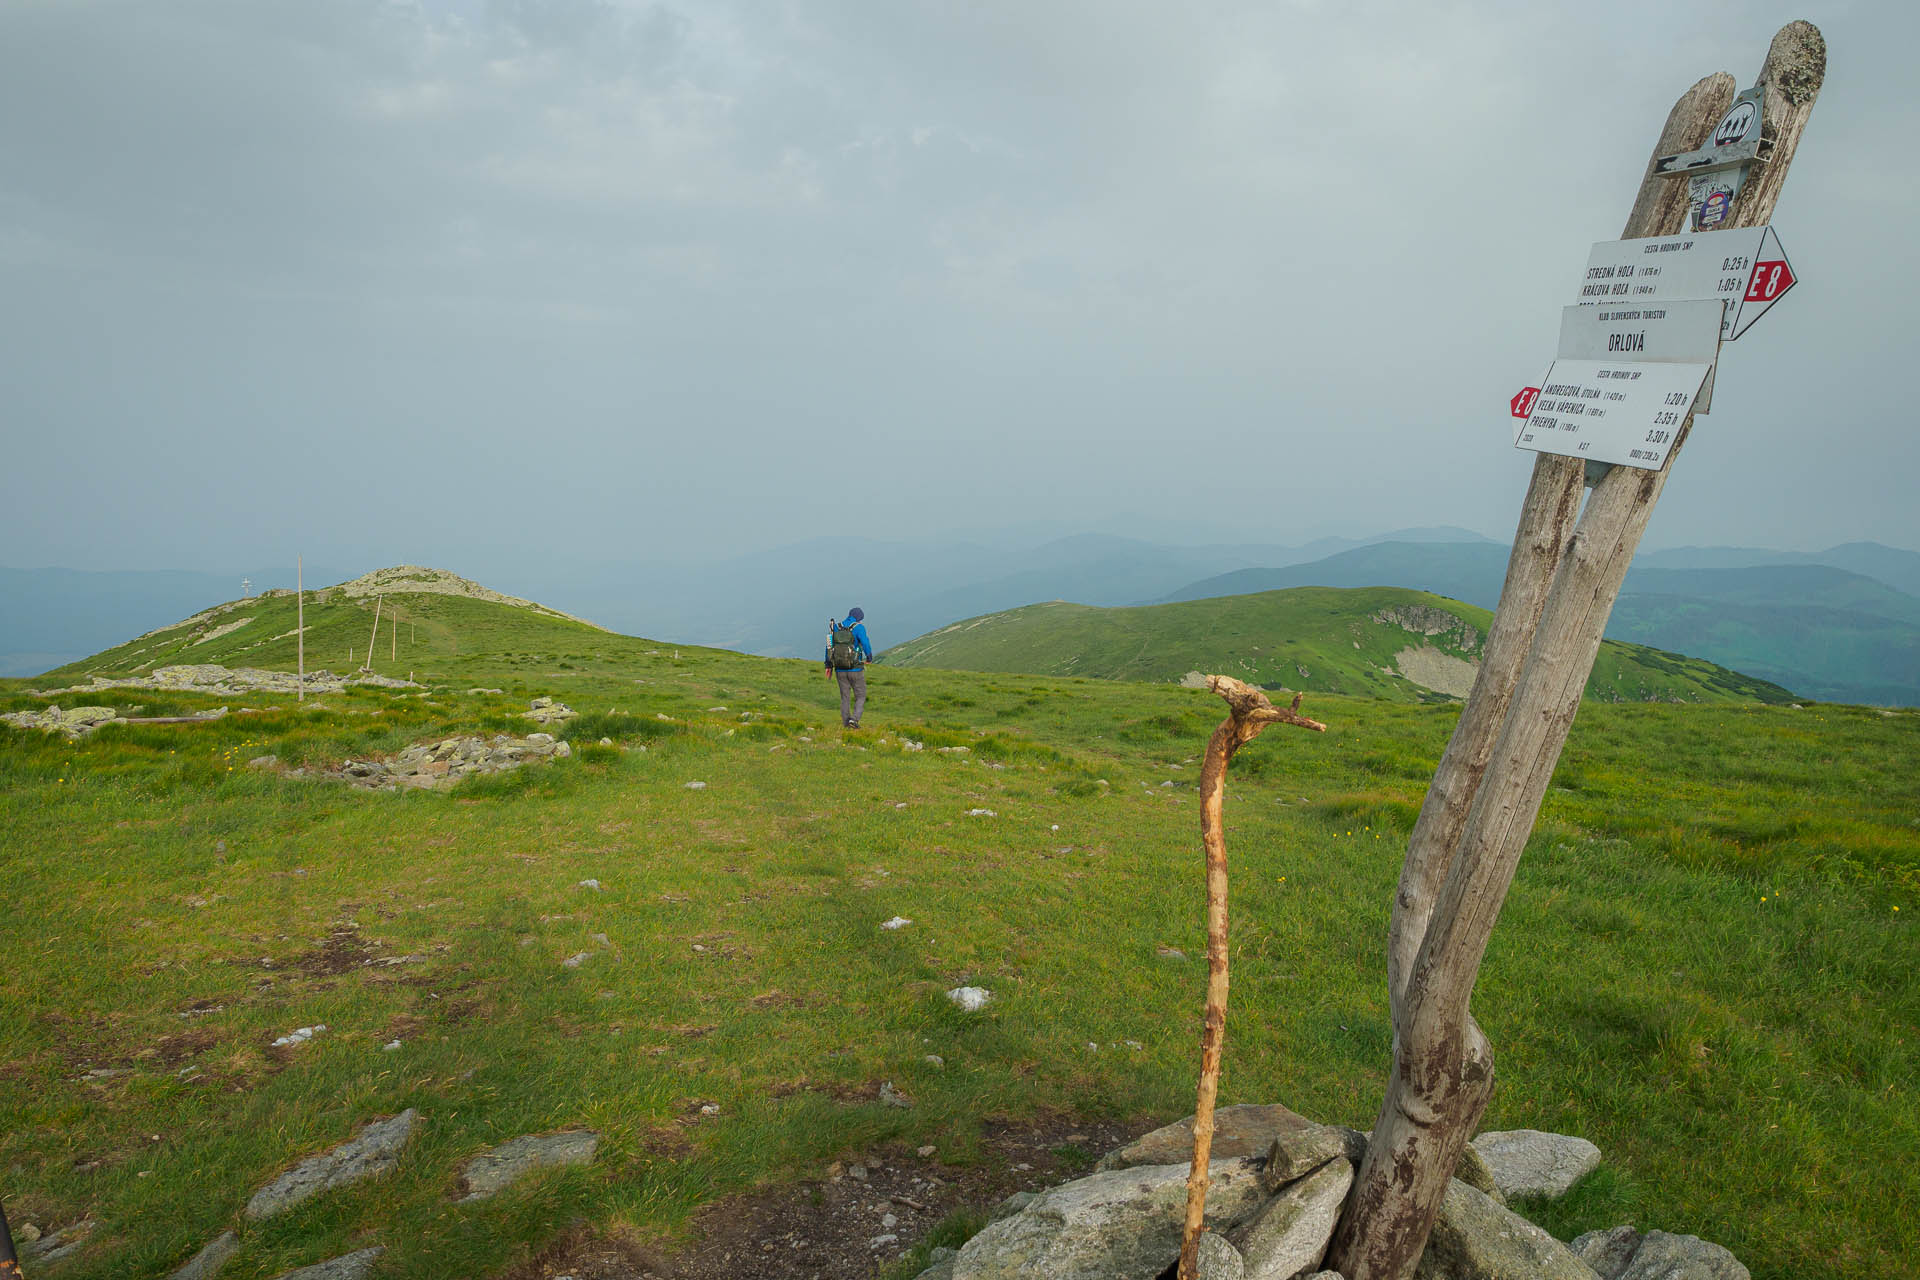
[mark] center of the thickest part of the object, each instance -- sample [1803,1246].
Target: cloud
[1030,259]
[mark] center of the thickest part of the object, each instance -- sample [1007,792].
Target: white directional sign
[1623,382]
[1746,268]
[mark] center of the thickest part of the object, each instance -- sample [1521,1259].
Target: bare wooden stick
[1249,712]
[300,624]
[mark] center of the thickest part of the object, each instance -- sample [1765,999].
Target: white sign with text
[1623,381]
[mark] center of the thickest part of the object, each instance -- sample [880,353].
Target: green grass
[1705,966]
[1318,639]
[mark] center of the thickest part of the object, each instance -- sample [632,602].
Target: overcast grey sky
[467,282]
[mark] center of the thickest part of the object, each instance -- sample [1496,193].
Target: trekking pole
[9,1263]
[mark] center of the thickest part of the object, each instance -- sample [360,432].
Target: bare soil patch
[823,1227]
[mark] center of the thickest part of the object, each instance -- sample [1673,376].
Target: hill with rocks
[1378,642]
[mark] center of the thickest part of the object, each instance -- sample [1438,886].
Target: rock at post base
[1237,1131]
[1476,1239]
[1295,1153]
[1290,1232]
[1121,1223]
[372,1151]
[1625,1254]
[1217,1259]
[499,1167]
[1527,1162]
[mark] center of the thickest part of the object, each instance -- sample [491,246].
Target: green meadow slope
[1708,948]
[1376,642]
[417,629]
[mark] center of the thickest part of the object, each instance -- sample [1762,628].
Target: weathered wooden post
[374,637]
[1559,591]
[300,625]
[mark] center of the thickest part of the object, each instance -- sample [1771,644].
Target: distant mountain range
[1815,622]
[1838,624]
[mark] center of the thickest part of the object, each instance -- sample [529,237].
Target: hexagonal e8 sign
[1745,269]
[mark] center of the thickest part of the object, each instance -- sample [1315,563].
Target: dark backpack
[843,650]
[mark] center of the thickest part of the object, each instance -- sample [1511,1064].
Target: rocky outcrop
[413,579]
[373,1151]
[211,677]
[348,1266]
[438,765]
[73,722]
[548,711]
[205,1264]
[1425,620]
[498,1168]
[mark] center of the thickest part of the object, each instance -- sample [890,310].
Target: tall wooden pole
[300,624]
[393,638]
[375,636]
[1487,791]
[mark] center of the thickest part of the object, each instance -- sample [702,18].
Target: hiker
[847,656]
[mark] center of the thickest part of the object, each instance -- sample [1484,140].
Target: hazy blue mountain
[1897,568]
[776,602]
[1823,631]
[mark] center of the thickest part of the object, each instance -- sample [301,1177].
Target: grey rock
[1476,1239]
[203,1265]
[1474,1171]
[1237,1131]
[1527,1162]
[1290,1232]
[369,1153]
[1295,1153]
[264,762]
[942,1268]
[1125,1222]
[1215,1258]
[499,1167]
[55,1245]
[1607,1252]
[1014,1204]
[348,1266]
[1625,1254]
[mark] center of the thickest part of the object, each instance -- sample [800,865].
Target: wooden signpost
[1562,580]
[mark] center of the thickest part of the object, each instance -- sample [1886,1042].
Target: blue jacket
[859,633]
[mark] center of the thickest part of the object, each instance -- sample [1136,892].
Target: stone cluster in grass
[210,677]
[1277,1184]
[370,1153]
[441,764]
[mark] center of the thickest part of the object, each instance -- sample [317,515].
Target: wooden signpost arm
[1471,832]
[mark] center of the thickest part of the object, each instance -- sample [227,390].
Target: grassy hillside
[417,630]
[1707,949]
[1378,642]
[1821,630]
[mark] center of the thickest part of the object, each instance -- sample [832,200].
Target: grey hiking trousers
[853,685]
